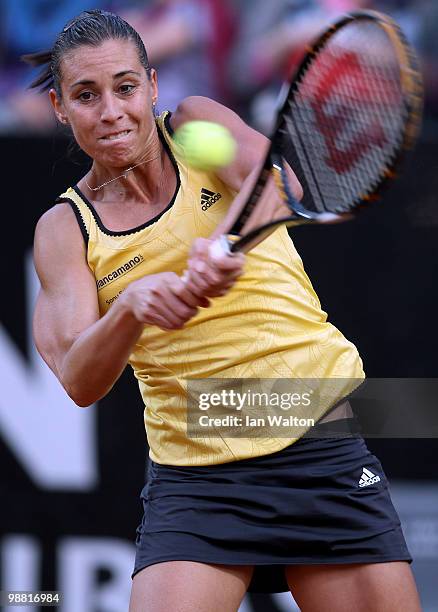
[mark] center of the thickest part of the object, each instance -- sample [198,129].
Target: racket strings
[298,159]
[344,124]
[360,139]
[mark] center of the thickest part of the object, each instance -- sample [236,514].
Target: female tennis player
[221,514]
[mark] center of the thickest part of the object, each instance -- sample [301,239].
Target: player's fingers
[164,303]
[181,289]
[167,318]
[180,308]
[222,289]
[199,265]
[225,262]
[209,281]
[200,248]
[215,273]
[149,318]
[165,324]
[197,283]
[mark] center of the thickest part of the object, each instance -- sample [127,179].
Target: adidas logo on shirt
[368,478]
[208,198]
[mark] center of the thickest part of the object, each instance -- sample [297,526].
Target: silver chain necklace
[124,175]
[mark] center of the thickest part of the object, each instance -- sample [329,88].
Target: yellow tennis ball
[206,145]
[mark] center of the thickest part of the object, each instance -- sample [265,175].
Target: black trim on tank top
[167,125]
[109,232]
[78,216]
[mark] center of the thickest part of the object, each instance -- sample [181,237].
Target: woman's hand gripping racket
[351,111]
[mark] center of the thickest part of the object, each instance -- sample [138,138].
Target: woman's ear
[154,84]
[58,107]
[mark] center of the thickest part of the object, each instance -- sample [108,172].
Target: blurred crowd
[235,51]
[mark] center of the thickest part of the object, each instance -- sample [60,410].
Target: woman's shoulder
[59,220]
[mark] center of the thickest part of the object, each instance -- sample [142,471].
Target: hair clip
[69,25]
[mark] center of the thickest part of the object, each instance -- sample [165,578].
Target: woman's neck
[149,181]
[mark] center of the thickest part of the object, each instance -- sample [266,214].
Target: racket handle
[220,247]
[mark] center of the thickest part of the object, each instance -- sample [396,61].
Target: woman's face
[107,99]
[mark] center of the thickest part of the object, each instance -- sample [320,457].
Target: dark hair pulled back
[88,28]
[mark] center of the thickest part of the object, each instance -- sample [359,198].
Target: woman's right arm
[88,353]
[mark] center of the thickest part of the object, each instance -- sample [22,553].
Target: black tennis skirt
[320,500]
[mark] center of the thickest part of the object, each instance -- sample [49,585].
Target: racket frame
[412,88]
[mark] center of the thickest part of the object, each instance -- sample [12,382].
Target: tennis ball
[206,145]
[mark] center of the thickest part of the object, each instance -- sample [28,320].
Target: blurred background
[71,478]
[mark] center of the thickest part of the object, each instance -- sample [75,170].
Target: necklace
[124,175]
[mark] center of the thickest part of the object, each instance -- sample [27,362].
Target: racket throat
[302,214]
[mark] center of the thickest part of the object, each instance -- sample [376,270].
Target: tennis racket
[343,124]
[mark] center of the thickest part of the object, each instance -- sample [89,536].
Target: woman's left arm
[213,278]
[251,145]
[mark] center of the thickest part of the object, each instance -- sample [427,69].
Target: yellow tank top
[270,325]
